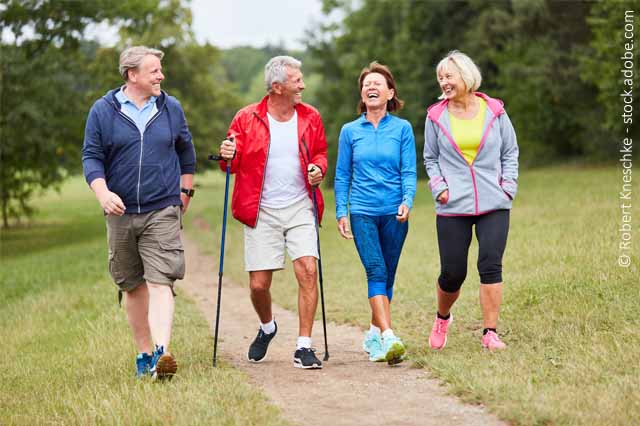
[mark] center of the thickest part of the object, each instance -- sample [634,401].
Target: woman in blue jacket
[471,157]
[376,182]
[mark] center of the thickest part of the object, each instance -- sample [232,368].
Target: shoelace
[441,325]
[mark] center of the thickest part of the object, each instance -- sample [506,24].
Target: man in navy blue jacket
[139,160]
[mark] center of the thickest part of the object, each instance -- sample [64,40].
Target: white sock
[269,327]
[374,330]
[388,333]
[303,342]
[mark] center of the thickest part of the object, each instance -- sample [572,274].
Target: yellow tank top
[468,133]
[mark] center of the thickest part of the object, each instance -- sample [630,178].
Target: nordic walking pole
[324,322]
[220,272]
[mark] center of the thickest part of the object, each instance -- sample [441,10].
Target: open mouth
[373,96]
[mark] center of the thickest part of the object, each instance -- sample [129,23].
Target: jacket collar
[110,97]
[303,110]
[495,105]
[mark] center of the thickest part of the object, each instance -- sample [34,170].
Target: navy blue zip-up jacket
[142,169]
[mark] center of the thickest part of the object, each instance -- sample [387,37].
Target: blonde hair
[132,57]
[469,71]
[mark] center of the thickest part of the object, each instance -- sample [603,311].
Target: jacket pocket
[460,192]
[152,183]
[123,181]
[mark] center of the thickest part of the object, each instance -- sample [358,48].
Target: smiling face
[292,88]
[451,83]
[148,76]
[375,93]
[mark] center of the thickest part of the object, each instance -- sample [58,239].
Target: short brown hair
[394,103]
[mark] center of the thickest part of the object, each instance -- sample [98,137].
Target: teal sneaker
[394,350]
[143,364]
[372,345]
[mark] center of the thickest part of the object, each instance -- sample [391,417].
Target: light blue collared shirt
[139,116]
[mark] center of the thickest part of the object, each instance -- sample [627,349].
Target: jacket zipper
[141,150]
[264,171]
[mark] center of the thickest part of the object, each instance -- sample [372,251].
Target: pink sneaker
[438,337]
[492,342]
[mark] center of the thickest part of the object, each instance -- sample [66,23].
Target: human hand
[443,198]
[111,203]
[185,202]
[314,174]
[228,148]
[403,213]
[343,228]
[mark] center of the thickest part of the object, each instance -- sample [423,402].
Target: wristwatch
[189,192]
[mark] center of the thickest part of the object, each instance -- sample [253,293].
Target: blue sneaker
[372,345]
[143,364]
[163,364]
[394,350]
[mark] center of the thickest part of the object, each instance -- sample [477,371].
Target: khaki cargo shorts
[145,247]
[293,228]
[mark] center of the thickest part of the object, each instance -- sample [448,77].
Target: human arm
[344,172]
[317,168]
[408,172]
[508,157]
[431,154]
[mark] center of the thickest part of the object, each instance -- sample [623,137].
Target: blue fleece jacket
[143,169]
[376,168]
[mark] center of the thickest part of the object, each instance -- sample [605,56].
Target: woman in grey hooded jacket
[471,157]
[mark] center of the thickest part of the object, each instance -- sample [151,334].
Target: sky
[228,23]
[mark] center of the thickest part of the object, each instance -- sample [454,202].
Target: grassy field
[68,355]
[570,313]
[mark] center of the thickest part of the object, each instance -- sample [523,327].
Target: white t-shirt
[283,180]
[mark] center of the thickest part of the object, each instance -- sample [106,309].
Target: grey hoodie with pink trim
[491,181]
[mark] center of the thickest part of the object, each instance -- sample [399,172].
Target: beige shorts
[292,227]
[145,247]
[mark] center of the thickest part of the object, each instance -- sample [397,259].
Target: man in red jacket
[278,150]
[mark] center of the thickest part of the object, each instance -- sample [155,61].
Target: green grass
[569,314]
[68,356]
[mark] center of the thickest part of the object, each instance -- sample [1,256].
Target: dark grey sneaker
[258,349]
[306,358]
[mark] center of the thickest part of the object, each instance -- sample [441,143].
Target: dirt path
[349,390]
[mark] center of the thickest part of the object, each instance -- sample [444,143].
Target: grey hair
[469,71]
[276,70]
[132,57]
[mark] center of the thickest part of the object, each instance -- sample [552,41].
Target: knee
[306,271]
[490,269]
[376,272]
[157,288]
[450,281]
[491,276]
[259,286]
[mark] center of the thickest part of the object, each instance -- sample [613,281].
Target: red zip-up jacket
[250,127]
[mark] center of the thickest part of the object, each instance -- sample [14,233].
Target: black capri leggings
[454,237]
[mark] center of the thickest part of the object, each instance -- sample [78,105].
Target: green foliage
[550,62]
[50,80]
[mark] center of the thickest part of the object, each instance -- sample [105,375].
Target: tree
[41,97]
[50,80]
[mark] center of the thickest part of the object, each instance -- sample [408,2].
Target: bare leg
[161,308]
[445,300]
[380,312]
[490,300]
[260,285]
[306,273]
[136,304]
